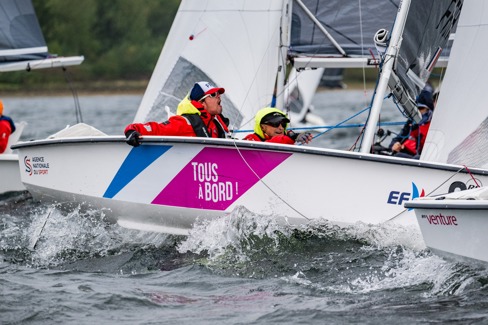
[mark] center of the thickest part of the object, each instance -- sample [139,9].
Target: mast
[390,55]
[283,53]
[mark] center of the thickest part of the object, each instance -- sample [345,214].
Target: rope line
[472,177]
[266,185]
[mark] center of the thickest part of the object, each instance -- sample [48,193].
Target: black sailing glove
[132,138]
[292,135]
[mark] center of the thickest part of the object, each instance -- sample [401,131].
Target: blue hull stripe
[137,160]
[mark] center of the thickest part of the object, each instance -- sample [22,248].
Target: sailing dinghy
[22,48]
[168,183]
[454,225]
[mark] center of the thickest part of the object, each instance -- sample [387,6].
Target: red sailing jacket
[180,126]
[5,131]
[410,145]
[276,139]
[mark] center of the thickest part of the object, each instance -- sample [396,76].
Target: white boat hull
[10,174]
[168,182]
[455,225]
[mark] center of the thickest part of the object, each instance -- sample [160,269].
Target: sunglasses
[213,95]
[276,124]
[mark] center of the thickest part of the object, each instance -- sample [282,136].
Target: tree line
[120,39]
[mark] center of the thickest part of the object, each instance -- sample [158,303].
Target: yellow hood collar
[186,107]
[259,116]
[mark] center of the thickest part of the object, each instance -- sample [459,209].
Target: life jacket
[194,113]
[201,130]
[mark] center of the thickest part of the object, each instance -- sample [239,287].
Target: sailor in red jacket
[412,146]
[198,115]
[7,127]
[270,126]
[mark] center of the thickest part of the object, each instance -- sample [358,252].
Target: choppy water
[75,268]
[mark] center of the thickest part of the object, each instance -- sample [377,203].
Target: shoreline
[85,89]
[122,88]
[62,93]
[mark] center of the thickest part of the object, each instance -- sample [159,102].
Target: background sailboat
[299,92]
[454,225]
[22,44]
[22,47]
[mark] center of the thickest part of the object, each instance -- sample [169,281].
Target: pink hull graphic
[217,177]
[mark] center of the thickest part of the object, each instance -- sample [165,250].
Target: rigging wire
[344,121]
[339,125]
[363,68]
[67,76]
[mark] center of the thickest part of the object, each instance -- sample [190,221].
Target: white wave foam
[216,236]
[55,233]
[397,254]
[234,231]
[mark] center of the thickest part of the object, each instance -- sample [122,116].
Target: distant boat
[455,225]
[333,79]
[22,48]
[168,183]
[299,93]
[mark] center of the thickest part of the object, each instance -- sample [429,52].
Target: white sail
[233,44]
[459,129]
